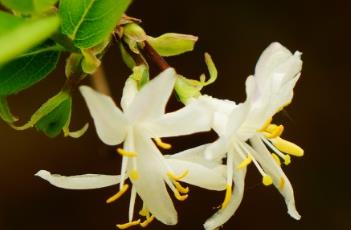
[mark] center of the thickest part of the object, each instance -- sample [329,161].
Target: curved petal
[271,57]
[223,215]
[130,90]
[86,181]
[151,100]
[150,185]
[196,155]
[199,175]
[267,162]
[190,119]
[110,122]
[217,149]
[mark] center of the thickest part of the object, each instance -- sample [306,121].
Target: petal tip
[43,174]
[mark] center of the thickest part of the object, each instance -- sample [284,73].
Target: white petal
[130,90]
[196,155]
[217,149]
[271,57]
[110,122]
[150,185]
[267,162]
[236,119]
[151,100]
[190,119]
[223,215]
[199,175]
[87,181]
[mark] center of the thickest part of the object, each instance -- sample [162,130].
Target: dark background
[235,33]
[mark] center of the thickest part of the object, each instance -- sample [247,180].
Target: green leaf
[45,109]
[29,6]
[28,69]
[19,35]
[89,22]
[140,75]
[189,88]
[53,122]
[5,112]
[171,44]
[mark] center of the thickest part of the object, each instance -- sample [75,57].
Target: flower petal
[190,119]
[199,175]
[110,122]
[150,185]
[196,155]
[223,215]
[270,166]
[130,90]
[151,100]
[86,181]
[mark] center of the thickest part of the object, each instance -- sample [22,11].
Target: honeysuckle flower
[143,119]
[268,91]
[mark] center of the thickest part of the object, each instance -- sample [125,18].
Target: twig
[152,54]
[99,82]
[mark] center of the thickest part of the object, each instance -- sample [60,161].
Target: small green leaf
[45,109]
[28,69]
[5,112]
[29,6]
[189,88]
[19,35]
[53,123]
[89,22]
[127,59]
[171,44]
[140,75]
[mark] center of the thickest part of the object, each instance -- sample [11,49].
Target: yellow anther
[126,153]
[266,124]
[145,223]
[180,188]
[143,212]
[245,162]
[118,194]
[267,180]
[287,147]
[180,197]
[276,158]
[134,174]
[179,177]
[162,144]
[274,131]
[287,159]
[281,183]
[129,224]
[228,196]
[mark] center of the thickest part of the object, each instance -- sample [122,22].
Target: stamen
[180,197]
[175,177]
[281,183]
[266,124]
[118,194]
[276,158]
[274,131]
[148,220]
[245,162]
[287,159]
[143,212]
[288,147]
[134,174]
[126,153]
[129,224]
[228,196]
[180,188]
[267,180]
[131,204]
[162,144]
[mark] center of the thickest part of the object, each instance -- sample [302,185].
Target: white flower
[142,119]
[268,91]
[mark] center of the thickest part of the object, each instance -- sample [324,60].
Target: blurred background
[234,33]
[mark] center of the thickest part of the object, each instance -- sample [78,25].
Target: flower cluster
[245,131]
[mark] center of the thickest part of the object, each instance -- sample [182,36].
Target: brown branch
[152,54]
[99,81]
